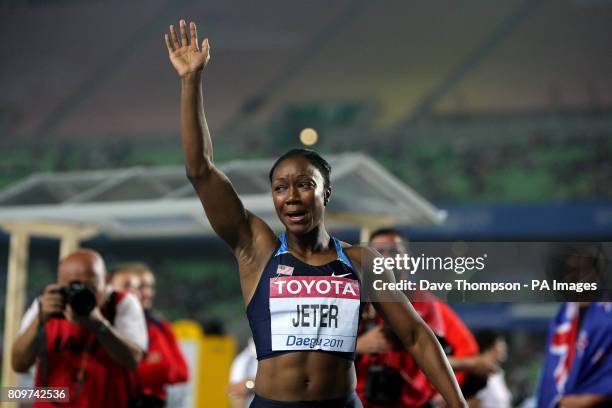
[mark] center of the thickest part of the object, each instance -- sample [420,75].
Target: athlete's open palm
[185,53]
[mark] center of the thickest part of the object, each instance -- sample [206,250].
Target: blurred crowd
[93,330]
[540,167]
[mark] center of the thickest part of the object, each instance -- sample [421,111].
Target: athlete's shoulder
[358,254]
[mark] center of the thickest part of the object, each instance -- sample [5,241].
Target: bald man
[93,354]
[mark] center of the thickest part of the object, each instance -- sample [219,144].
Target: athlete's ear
[327,195]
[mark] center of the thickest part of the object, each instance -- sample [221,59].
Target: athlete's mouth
[296,216]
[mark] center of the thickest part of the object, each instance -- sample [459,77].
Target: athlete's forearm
[430,357]
[197,145]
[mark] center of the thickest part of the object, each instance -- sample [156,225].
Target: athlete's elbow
[199,171]
[416,332]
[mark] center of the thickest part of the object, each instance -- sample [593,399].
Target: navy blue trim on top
[342,255]
[284,248]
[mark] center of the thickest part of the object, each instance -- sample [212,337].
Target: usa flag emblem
[284,270]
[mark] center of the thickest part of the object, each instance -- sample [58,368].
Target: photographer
[81,336]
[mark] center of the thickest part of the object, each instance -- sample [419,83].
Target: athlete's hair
[388,231]
[313,157]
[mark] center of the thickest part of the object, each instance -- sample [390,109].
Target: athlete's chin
[298,228]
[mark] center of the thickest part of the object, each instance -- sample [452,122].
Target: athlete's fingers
[174,38]
[168,43]
[193,31]
[206,48]
[183,28]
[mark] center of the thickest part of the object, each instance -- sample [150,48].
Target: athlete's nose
[293,196]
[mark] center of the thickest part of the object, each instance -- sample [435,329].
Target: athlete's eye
[304,184]
[280,188]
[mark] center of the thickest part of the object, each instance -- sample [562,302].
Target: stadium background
[499,113]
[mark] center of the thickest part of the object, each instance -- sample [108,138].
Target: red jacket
[74,353]
[458,336]
[164,362]
[416,389]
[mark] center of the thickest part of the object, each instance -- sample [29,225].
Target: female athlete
[302,289]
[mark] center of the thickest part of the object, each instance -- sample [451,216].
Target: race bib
[314,313]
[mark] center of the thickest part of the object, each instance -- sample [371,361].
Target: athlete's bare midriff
[305,376]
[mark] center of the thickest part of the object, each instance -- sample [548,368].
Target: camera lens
[80,298]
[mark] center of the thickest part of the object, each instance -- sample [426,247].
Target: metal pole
[68,244]
[15,298]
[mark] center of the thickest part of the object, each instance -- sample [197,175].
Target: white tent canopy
[159,201]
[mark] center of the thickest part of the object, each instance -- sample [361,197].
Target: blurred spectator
[578,360]
[213,327]
[496,393]
[383,360]
[386,373]
[164,362]
[242,377]
[125,280]
[92,337]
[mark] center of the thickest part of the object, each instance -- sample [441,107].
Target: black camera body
[383,385]
[80,298]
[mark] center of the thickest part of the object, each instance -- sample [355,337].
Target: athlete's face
[299,194]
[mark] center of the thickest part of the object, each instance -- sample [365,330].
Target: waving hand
[185,53]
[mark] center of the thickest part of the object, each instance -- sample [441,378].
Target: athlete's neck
[317,240]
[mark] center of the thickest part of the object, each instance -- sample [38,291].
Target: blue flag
[578,355]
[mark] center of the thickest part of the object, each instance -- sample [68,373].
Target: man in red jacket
[91,338]
[163,363]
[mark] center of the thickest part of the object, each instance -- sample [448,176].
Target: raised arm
[224,209]
[416,336]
